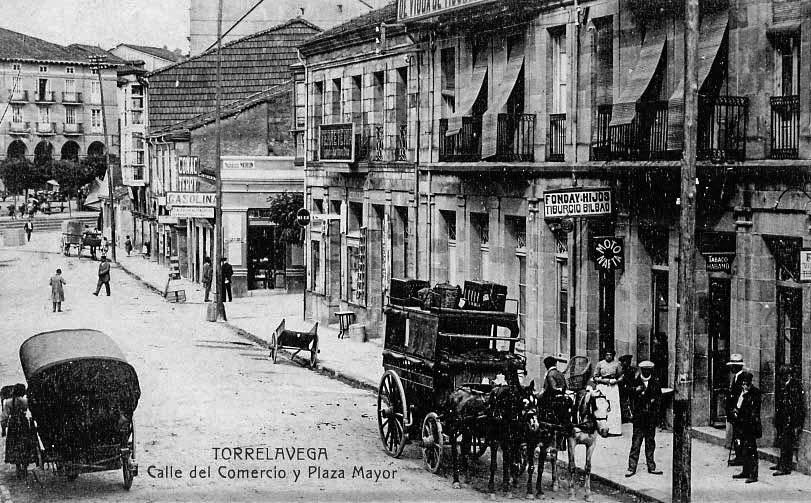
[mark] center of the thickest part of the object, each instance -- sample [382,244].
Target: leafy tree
[72,176]
[18,174]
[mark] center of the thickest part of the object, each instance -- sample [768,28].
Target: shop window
[559,63]
[356,289]
[448,77]
[789,345]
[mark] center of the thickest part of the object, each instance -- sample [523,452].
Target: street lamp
[98,63]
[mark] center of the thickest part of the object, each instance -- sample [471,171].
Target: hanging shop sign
[191,212]
[303,217]
[191,199]
[805,265]
[577,202]
[719,261]
[608,252]
[408,10]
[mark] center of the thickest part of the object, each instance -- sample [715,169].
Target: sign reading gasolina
[191,198]
[577,202]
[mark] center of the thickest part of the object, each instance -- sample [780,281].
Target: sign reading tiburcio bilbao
[585,202]
[408,10]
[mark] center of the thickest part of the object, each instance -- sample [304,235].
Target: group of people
[208,276]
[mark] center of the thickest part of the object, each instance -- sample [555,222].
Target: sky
[101,22]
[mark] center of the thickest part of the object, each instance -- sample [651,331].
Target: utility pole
[218,249]
[685,337]
[98,64]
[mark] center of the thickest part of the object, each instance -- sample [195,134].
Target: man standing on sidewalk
[789,416]
[227,272]
[104,276]
[29,228]
[746,419]
[646,393]
[208,273]
[735,366]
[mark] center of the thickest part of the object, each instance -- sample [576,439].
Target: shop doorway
[718,328]
[263,261]
[658,345]
[789,344]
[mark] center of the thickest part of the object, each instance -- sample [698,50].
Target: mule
[590,419]
[548,431]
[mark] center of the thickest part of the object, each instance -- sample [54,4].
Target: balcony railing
[72,129]
[465,146]
[46,127]
[515,138]
[369,143]
[785,129]
[19,128]
[71,98]
[19,96]
[401,143]
[335,142]
[601,141]
[46,97]
[722,124]
[556,137]
[645,138]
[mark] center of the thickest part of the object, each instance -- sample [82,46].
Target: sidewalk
[360,365]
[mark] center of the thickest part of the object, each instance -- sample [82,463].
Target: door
[261,259]
[718,328]
[788,347]
[658,345]
[606,283]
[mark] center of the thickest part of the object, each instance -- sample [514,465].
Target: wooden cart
[283,338]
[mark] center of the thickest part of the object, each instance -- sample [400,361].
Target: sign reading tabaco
[577,203]
[415,9]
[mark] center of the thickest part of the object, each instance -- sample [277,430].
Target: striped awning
[710,39]
[467,97]
[499,106]
[650,55]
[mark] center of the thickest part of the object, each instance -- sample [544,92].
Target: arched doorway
[96,149]
[43,152]
[70,151]
[16,150]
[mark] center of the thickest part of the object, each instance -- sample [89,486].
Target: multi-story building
[53,100]
[546,138]
[154,58]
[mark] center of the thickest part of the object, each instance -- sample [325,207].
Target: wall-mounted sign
[188,167]
[167,219]
[231,164]
[303,217]
[608,252]
[191,199]
[416,9]
[805,265]
[577,202]
[191,212]
[719,262]
[336,142]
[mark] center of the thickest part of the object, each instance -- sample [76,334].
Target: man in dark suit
[746,419]
[789,416]
[735,366]
[646,395]
[227,273]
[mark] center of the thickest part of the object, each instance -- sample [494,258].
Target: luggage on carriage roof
[578,373]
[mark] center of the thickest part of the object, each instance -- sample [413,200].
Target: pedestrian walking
[104,247]
[626,386]
[29,228]
[208,273]
[789,416]
[20,447]
[57,290]
[735,366]
[128,245]
[104,276]
[746,420]
[227,273]
[607,375]
[647,393]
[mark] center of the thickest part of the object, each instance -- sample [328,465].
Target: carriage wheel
[432,442]
[314,354]
[274,347]
[391,413]
[127,470]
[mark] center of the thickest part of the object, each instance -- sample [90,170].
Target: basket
[578,373]
[448,295]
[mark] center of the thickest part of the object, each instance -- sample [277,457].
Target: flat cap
[735,359]
[647,364]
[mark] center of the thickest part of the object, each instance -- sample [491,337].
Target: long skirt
[612,392]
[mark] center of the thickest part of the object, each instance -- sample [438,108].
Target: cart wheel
[391,413]
[432,442]
[127,470]
[314,354]
[274,348]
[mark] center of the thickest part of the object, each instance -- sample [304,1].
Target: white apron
[612,392]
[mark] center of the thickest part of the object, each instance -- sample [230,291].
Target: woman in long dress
[20,447]
[607,375]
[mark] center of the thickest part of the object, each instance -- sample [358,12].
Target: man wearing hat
[554,383]
[746,419]
[646,392]
[735,366]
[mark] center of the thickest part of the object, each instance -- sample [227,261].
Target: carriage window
[563,305]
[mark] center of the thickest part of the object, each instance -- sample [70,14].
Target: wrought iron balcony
[72,129]
[645,138]
[515,138]
[722,124]
[19,128]
[465,146]
[46,128]
[785,126]
[601,141]
[72,98]
[401,143]
[556,138]
[18,96]
[46,97]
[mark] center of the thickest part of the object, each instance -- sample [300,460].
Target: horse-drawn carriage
[427,354]
[74,235]
[82,394]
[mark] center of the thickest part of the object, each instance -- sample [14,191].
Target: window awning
[624,109]
[467,97]
[711,37]
[499,106]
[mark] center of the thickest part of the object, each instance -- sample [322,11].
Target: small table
[344,320]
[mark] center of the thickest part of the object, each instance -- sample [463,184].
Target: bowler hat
[647,364]
[735,359]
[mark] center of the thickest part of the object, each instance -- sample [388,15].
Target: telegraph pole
[685,337]
[218,248]
[98,63]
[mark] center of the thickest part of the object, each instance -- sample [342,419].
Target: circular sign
[303,217]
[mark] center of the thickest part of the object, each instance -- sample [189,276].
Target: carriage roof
[48,349]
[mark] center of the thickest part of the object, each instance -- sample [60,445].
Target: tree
[18,174]
[282,210]
[72,176]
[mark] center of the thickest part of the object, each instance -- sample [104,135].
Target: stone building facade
[516,112]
